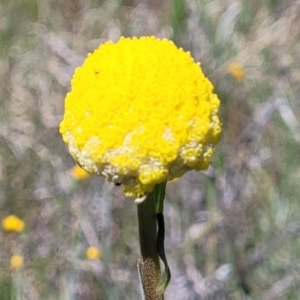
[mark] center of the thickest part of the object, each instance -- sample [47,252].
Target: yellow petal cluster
[77,173]
[237,71]
[16,262]
[93,253]
[141,112]
[13,223]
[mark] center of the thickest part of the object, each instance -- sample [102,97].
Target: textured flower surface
[141,112]
[13,223]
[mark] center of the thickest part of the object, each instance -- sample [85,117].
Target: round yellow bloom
[93,253]
[78,173]
[16,262]
[141,112]
[236,70]
[13,223]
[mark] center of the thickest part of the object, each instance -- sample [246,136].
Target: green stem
[148,265]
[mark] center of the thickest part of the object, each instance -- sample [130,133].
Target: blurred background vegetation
[231,232]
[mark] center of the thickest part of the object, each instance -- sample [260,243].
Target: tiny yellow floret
[237,71]
[13,223]
[93,253]
[16,262]
[78,173]
[141,112]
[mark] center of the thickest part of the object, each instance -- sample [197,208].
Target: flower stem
[148,265]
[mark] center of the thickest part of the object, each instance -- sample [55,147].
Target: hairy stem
[148,265]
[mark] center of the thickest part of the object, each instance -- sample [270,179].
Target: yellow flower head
[141,112]
[16,262]
[13,223]
[93,253]
[78,173]
[236,70]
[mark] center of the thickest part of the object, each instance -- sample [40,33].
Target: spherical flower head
[16,262]
[236,70]
[93,253]
[141,112]
[13,223]
[77,173]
